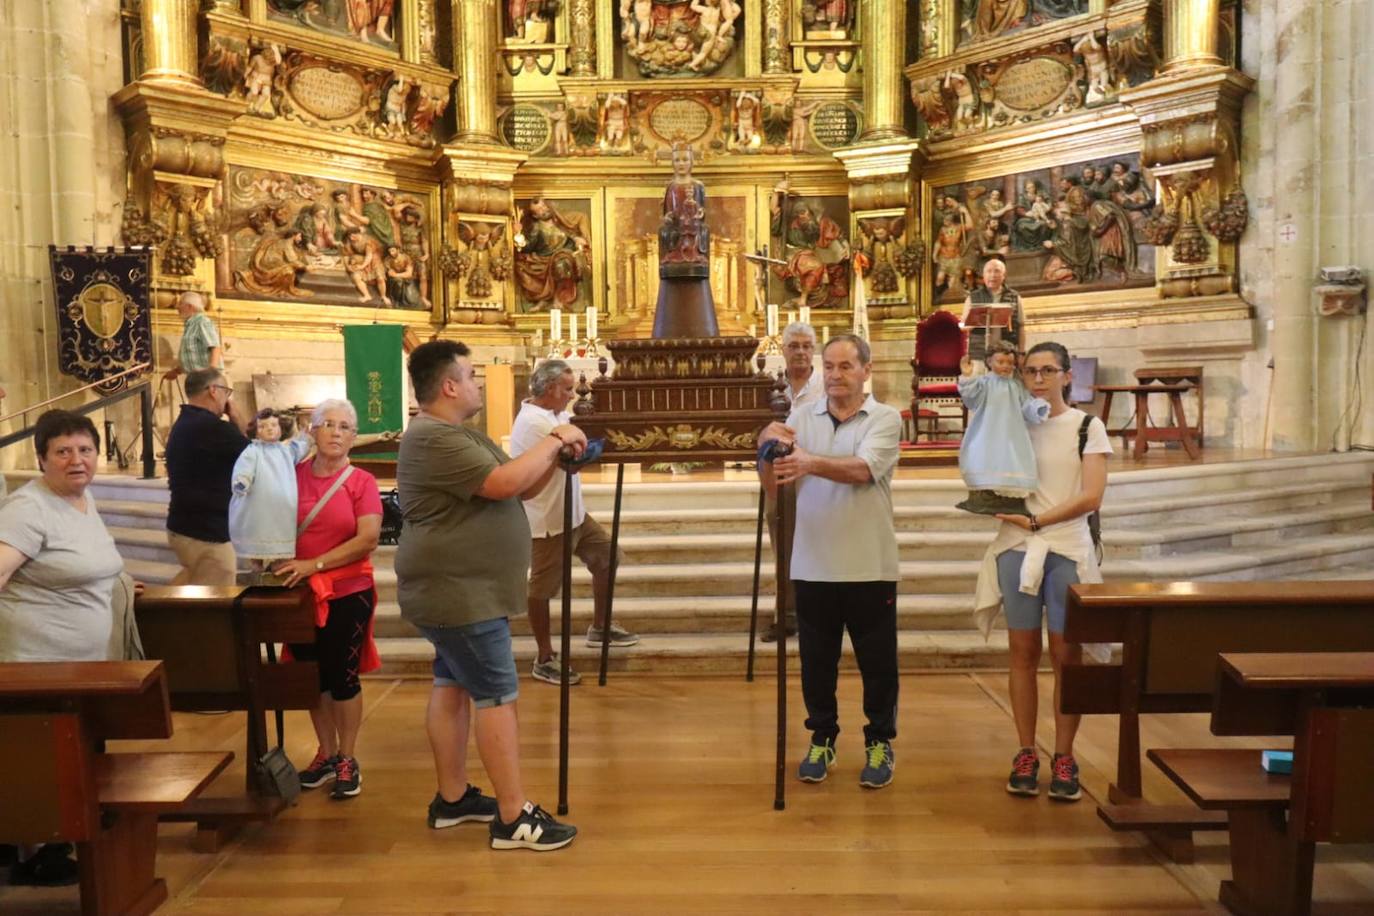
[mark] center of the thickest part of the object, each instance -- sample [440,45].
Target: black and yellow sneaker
[534,829]
[473,806]
[815,766]
[879,762]
[1064,785]
[348,778]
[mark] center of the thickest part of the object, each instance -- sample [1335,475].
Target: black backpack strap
[1083,434]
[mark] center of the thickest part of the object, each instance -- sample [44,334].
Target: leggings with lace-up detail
[338,645]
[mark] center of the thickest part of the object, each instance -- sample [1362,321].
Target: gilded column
[1293,423]
[477,85]
[413,21]
[1191,34]
[884,44]
[582,14]
[169,41]
[775,37]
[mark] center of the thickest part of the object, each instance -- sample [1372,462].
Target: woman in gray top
[58,563]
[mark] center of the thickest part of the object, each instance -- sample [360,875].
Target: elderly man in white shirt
[844,451]
[804,386]
[551,390]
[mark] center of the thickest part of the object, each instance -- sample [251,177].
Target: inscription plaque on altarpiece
[1033,83]
[526,128]
[834,125]
[326,93]
[683,120]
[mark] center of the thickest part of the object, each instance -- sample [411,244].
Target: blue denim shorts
[478,658]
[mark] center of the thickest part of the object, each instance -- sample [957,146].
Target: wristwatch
[319,565]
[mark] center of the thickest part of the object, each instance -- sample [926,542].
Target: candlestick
[555,325]
[591,322]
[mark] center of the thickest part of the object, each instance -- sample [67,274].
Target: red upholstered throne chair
[936,408]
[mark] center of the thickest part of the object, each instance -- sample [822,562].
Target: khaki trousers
[203,562]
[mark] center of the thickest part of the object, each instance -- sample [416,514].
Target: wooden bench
[1326,701]
[1171,634]
[1172,382]
[56,785]
[211,640]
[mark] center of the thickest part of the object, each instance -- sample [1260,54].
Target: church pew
[1326,701]
[212,640]
[57,786]
[1171,634]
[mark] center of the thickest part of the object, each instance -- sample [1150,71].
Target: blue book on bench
[1277,761]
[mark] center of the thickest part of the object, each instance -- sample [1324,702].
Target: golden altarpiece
[467,166]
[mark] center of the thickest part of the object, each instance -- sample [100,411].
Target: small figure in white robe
[262,507]
[995,457]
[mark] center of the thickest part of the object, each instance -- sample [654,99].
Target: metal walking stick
[565,644]
[784,552]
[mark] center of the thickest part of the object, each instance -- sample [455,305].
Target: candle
[791,317]
[555,325]
[772,326]
[806,314]
[591,322]
[825,334]
[572,327]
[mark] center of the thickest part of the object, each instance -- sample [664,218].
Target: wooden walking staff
[754,602]
[782,566]
[610,584]
[565,643]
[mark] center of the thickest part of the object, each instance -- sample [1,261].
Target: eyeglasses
[332,426]
[229,392]
[1046,372]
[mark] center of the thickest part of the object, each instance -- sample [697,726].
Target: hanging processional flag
[103,322]
[374,370]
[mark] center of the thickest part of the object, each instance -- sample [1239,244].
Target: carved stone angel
[880,241]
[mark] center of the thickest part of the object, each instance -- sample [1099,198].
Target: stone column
[168,29]
[477,83]
[1190,34]
[883,32]
[1293,420]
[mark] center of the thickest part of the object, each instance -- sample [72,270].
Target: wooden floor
[672,789]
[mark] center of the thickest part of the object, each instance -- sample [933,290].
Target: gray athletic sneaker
[620,637]
[1064,785]
[815,766]
[1025,773]
[550,672]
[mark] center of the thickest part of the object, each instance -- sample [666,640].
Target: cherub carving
[615,112]
[796,132]
[257,79]
[393,113]
[966,112]
[880,241]
[1095,65]
[746,113]
[558,121]
[482,244]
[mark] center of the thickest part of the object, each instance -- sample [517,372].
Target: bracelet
[562,443]
[1035,523]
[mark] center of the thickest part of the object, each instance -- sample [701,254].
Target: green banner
[374,368]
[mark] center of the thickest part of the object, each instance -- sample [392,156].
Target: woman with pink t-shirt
[339,518]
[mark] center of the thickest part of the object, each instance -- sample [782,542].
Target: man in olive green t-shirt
[461,570]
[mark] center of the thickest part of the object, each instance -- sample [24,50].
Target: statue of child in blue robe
[996,459]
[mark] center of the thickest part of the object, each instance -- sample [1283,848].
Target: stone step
[712,654]
[718,614]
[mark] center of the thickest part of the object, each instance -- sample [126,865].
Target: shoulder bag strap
[328,495]
[1083,434]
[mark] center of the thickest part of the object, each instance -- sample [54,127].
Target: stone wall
[63,174]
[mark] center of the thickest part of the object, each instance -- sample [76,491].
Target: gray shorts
[476,657]
[1024,611]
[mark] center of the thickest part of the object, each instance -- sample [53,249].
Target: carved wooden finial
[584,405]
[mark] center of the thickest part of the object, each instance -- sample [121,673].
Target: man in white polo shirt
[844,558]
[551,390]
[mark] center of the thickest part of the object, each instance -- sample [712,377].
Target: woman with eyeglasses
[339,512]
[1028,568]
